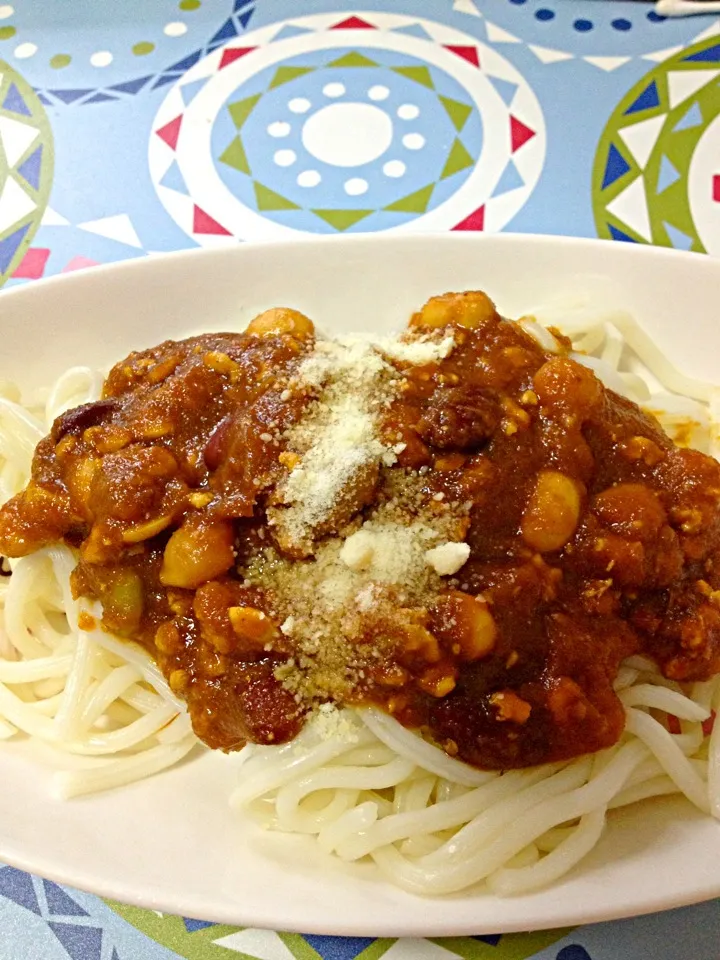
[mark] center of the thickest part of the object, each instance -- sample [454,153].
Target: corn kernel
[552,515]
[282,320]
[178,681]
[221,363]
[439,680]
[167,638]
[251,625]
[200,500]
[144,531]
[470,309]
[289,459]
[510,707]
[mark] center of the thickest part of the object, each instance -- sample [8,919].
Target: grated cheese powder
[361,544]
[337,441]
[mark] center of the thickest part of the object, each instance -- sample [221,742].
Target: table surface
[130,128]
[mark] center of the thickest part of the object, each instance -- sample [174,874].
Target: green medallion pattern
[196,940]
[649,164]
[458,156]
[26,167]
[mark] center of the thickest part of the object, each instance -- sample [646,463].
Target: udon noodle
[359,783]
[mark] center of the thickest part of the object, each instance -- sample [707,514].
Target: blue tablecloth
[132,127]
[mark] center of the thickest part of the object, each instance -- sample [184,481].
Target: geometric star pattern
[261,175]
[238,20]
[26,165]
[210,941]
[73,927]
[458,158]
[657,159]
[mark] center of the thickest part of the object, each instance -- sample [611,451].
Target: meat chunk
[459,418]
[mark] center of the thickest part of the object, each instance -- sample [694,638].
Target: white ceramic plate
[171,843]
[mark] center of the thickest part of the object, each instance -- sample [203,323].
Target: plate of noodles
[367,586]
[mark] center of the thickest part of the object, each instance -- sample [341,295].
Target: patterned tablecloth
[131,127]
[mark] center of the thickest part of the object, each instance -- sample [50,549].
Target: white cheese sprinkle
[389,552]
[330,723]
[337,441]
[448,558]
[358,550]
[287,626]
[419,351]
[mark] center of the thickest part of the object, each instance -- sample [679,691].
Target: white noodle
[513,880]
[670,756]
[456,821]
[370,790]
[669,701]
[714,760]
[75,690]
[76,386]
[117,773]
[405,742]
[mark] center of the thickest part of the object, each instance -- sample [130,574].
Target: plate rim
[78,278]
[71,284]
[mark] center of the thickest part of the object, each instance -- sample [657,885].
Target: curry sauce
[455,525]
